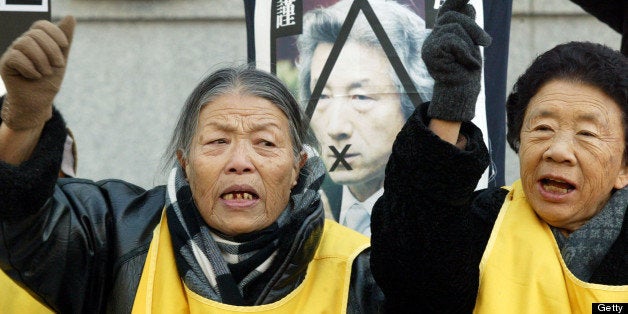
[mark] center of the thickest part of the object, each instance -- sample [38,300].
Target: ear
[300,164]
[181,159]
[302,159]
[622,178]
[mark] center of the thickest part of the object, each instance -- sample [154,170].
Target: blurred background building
[133,63]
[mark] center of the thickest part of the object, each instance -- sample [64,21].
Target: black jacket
[81,245]
[430,228]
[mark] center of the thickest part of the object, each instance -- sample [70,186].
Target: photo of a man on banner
[363,102]
[356,67]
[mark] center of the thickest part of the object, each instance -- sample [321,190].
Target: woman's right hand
[32,69]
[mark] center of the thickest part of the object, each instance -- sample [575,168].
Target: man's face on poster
[359,106]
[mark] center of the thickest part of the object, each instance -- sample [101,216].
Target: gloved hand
[32,69]
[453,59]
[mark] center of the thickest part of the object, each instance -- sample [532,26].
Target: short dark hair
[583,62]
[244,80]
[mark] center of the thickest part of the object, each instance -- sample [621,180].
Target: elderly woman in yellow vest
[556,241]
[239,226]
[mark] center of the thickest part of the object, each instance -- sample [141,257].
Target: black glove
[453,59]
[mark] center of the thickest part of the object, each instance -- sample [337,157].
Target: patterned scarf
[585,248]
[228,269]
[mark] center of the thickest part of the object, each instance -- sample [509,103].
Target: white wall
[132,65]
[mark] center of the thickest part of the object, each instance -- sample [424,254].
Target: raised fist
[452,55]
[32,69]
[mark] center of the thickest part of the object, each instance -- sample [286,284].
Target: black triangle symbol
[389,49]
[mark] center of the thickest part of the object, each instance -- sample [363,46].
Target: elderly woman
[555,241]
[238,228]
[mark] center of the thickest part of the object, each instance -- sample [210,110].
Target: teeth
[556,189]
[238,196]
[557,186]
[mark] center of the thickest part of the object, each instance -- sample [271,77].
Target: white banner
[24,5]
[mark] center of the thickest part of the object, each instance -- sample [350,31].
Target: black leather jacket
[81,245]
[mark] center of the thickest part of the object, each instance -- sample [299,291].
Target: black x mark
[340,158]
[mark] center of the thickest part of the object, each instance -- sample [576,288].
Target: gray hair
[242,80]
[405,29]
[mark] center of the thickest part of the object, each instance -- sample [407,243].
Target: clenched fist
[452,55]
[32,69]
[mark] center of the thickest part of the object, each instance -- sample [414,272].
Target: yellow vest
[522,270]
[325,288]
[14,299]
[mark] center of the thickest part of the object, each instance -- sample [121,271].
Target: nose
[561,150]
[240,160]
[339,125]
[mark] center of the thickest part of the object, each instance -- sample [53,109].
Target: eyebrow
[544,114]
[228,125]
[589,117]
[358,84]
[354,85]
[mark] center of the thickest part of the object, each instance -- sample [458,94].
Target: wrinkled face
[241,165]
[359,106]
[571,153]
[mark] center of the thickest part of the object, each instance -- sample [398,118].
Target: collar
[355,214]
[348,200]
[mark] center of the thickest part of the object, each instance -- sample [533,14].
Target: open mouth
[557,186]
[239,195]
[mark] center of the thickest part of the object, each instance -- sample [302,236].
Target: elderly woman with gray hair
[238,228]
[363,103]
[556,240]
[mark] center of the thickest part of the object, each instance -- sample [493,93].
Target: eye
[587,133]
[324,101]
[267,143]
[542,128]
[363,102]
[218,141]
[361,97]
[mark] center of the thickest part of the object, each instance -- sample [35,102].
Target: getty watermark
[609,308]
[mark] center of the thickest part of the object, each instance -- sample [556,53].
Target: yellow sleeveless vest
[522,270]
[325,288]
[14,299]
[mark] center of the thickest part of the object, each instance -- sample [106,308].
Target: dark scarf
[585,248]
[234,269]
